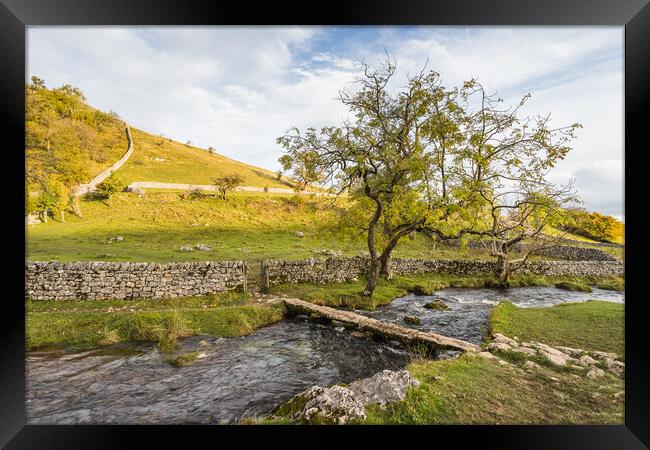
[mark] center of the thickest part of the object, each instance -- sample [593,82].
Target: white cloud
[238,88]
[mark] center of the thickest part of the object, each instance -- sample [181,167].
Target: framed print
[359,219]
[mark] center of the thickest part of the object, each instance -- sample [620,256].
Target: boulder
[498,337]
[492,346]
[436,304]
[574,352]
[531,365]
[203,247]
[418,289]
[486,355]
[587,360]
[119,238]
[383,387]
[300,234]
[602,356]
[595,372]
[553,355]
[186,248]
[318,405]
[525,350]
[616,367]
[412,320]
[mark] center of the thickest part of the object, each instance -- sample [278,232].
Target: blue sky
[238,88]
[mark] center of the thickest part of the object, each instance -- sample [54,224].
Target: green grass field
[246,226]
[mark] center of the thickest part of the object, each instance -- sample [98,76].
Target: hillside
[73,142]
[158,158]
[246,226]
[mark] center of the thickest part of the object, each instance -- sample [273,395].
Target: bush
[110,186]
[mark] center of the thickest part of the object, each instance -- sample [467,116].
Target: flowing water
[249,375]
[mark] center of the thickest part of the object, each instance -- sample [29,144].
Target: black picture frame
[15,15]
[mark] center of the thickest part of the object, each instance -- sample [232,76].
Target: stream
[249,375]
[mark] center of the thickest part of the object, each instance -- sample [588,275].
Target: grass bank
[91,323]
[472,390]
[348,294]
[592,325]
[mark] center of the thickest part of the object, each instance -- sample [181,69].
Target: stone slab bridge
[385,329]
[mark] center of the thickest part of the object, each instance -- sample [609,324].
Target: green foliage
[66,141]
[111,185]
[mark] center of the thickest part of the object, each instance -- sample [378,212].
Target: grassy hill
[157,158]
[84,141]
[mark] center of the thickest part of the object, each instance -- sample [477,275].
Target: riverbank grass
[592,325]
[83,324]
[349,294]
[474,390]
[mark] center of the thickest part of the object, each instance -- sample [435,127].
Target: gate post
[245,285]
[264,277]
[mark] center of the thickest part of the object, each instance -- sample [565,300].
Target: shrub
[110,186]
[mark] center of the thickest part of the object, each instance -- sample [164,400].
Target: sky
[238,88]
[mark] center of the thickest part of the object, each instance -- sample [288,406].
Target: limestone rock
[553,355]
[616,367]
[574,352]
[587,360]
[437,304]
[203,247]
[498,337]
[318,405]
[595,372]
[531,365]
[412,320]
[186,248]
[418,289]
[486,355]
[602,356]
[492,346]
[383,387]
[300,234]
[525,350]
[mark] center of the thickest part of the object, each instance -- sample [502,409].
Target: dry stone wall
[329,270]
[117,280]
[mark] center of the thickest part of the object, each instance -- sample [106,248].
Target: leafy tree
[503,169]
[595,226]
[228,183]
[212,150]
[63,138]
[427,158]
[379,157]
[111,185]
[304,165]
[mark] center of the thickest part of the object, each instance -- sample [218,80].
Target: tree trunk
[375,264]
[373,277]
[503,271]
[44,216]
[62,216]
[385,269]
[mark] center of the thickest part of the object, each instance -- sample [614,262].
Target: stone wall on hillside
[124,280]
[329,270]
